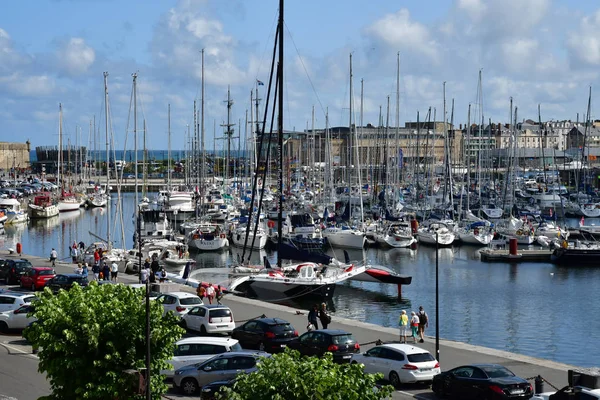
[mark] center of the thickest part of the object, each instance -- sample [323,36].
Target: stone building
[14,155]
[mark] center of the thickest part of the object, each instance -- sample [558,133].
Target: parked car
[36,277]
[399,363]
[266,334]
[481,381]
[12,269]
[223,366]
[210,318]
[178,302]
[198,349]
[10,301]
[209,391]
[66,281]
[16,319]
[316,343]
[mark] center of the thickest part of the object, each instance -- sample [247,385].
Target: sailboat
[304,279]
[67,201]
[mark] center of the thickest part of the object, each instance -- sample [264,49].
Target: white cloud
[475,8]
[399,32]
[75,56]
[518,54]
[584,43]
[28,86]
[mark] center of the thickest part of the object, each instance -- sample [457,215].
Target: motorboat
[397,235]
[207,237]
[13,211]
[345,236]
[154,225]
[42,207]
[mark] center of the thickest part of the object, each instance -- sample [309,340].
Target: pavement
[20,379]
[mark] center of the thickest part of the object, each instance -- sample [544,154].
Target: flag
[260,83]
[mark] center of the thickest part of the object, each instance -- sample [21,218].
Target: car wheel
[203,330]
[3,326]
[33,287]
[395,379]
[261,346]
[189,386]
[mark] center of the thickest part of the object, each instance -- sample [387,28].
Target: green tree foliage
[89,336]
[290,376]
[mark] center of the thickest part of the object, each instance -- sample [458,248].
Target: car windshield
[236,347]
[46,272]
[22,264]
[497,372]
[420,357]
[280,328]
[342,339]
[220,312]
[188,301]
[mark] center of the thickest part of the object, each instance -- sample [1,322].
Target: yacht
[207,237]
[42,207]
[14,213]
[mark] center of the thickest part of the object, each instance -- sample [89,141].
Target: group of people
[318,313]
[418,322]
[210,292]
[152,271]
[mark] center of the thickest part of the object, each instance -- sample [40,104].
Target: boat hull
[275,290]
[42,212]
[208,245]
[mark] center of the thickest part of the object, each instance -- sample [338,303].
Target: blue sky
[54,51]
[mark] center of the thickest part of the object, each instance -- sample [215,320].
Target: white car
[209,319]
[16,319]
[399,363]
[179,303]
[586,393]
[198,349]
[10,301]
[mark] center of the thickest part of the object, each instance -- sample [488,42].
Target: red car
[37,277]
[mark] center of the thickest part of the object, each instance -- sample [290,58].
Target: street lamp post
[148,335]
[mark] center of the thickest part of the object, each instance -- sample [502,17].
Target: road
[19,377]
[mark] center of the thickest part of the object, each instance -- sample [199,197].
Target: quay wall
[16,154]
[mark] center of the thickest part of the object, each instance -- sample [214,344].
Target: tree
[88,337]
[289,376]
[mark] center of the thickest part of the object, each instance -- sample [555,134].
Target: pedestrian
[146,264]
[423,323]
[144,275]
[324,316]
[219,294]
[210,293]
[84,270]
[414,325]
[201,292]
[105,270]
[73,246]
[96,271]
[53,257]
[313,315]
[74,254]
[403,324]
[78,269]
[154,266]
[81,245]
[162,275]
[114,271]
[96,256]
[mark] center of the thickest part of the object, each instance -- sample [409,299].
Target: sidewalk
[452,354]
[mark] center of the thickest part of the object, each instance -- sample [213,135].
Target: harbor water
[535,309]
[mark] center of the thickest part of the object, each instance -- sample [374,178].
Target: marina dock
[525,255]
[452,353]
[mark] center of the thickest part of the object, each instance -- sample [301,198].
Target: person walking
[201,292]
[78,269]
[96,271]
[313,315]
[210,293]
[74,254]
[96,256]
[84,270]
[53,257]
[219,294]
[403,324]
[324,316]
[414,325]
[423,323]
[144,274]
[105,270]
[114,271]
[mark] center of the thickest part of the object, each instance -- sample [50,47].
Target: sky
[539,52]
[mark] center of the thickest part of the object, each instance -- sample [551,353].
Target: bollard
[539,384]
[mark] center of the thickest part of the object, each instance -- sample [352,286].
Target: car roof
[17,295]
[405,348]
[271,321]
[252,353]
[333,332]
[214,306]
[42,268]
[180,294]
[207,340]
[72,275]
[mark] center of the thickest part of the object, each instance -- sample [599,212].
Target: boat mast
[107,162]
[202,149]
[59,161]
[280,131]
[396,175]
[135,141]
[169,147]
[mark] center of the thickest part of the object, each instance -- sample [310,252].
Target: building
[14,155]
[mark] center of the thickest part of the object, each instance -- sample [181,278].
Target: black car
[481,381]
[208,391]
[12,269]
[65,281]
[266,334]
[316,343]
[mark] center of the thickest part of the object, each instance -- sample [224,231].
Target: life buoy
[271,224]
[222,236]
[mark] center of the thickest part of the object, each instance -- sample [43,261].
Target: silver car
[221,367]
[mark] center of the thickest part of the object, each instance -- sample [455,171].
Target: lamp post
[148,336]
[437,298]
